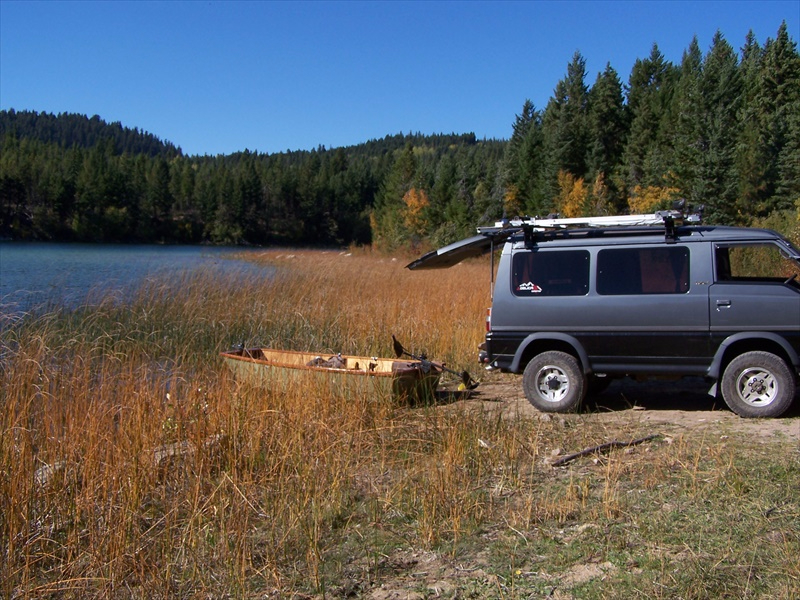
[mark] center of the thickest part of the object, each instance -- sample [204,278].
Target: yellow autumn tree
[600,198]
[651,198]
[415,201]
[572,195]
[512,204]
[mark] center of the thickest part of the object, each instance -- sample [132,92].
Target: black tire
[758,384]
[554,382]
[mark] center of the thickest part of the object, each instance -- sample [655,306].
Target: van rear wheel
[758,384]
[553,382]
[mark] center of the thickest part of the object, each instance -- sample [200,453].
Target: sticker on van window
[529,287]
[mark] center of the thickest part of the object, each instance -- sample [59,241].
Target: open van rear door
[454,253]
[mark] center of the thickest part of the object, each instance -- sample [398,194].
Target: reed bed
[132,465]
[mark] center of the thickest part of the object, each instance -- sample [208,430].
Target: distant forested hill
[67,130]
[68,177]
[721,129]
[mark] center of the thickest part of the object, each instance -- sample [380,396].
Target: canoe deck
[408,380]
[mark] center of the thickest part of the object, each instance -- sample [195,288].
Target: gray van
[579,302]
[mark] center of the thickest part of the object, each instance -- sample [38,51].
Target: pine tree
[565,124]
[608,128]
[388,230]
[781,81]
[650,90]
[751,155]
[255,218]
[523,164]
[688,144]
[444,190]
[159,200]
[721,94]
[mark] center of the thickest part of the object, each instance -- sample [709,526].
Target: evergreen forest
[721,129]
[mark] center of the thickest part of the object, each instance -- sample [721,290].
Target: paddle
[466,379]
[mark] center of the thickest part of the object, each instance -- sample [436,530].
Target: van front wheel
[758,384]
[553,382]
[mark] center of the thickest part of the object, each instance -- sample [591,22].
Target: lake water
[41,274]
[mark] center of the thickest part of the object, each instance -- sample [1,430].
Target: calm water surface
[36,274]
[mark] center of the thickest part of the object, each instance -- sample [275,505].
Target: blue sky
[220,77]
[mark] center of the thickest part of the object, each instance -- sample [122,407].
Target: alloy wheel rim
[552,383]
[757,387]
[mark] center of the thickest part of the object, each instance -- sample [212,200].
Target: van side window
[643,271]
[752,263]
[562,273]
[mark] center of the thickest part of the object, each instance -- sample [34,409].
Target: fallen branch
[601,447]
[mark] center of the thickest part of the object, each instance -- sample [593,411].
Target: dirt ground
[679,406]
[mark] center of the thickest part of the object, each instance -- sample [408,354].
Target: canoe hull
[402,380]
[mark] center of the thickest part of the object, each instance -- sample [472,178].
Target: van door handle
[723,304]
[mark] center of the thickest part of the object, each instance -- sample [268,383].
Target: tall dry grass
[133,465]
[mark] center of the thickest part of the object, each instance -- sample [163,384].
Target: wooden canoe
[405,380]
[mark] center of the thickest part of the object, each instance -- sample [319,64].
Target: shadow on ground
[687,394]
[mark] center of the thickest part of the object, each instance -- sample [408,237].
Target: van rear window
[562,273]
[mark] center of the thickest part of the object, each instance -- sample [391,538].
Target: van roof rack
[669,220]
[666,221]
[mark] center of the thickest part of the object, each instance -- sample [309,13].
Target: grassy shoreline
[133,465]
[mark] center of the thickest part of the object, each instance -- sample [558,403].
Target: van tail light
[488,320]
